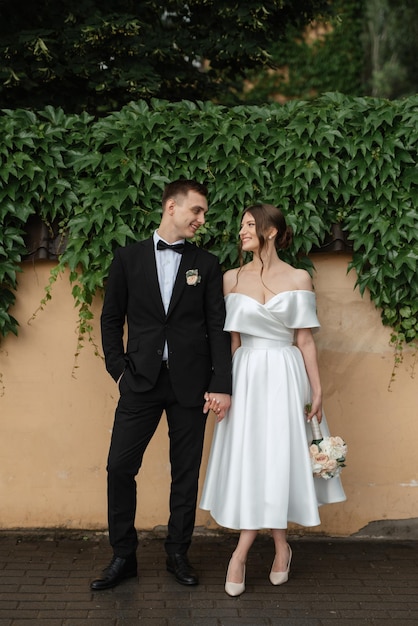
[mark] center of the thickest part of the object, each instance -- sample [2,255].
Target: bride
[259,472]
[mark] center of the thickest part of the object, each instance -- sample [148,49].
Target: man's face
[187,213]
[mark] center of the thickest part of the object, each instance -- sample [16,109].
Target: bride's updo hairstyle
[267,216]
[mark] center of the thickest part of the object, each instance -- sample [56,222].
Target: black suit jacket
[199,348]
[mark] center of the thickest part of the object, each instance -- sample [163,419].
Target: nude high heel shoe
[235,589]
[278,578]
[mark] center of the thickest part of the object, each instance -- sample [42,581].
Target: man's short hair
[181,187]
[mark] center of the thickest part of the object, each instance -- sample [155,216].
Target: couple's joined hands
[217,402]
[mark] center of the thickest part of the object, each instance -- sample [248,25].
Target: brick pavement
[333,582]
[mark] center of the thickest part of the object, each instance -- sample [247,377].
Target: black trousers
[136,419]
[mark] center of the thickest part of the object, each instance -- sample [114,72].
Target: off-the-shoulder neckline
[281,293]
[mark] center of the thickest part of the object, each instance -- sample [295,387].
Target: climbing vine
[336,159]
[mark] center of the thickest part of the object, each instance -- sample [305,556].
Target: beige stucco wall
[55,422]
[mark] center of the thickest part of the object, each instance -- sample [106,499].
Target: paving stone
[333,582]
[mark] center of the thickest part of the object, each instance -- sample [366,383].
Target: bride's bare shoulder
[230,279]
[302,279]
[295,278]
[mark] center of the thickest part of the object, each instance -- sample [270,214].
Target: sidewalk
[333,582]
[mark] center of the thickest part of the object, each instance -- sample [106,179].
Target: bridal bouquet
[327,453]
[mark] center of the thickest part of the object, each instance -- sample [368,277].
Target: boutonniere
[193,278]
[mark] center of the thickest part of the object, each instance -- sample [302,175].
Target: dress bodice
[275,321]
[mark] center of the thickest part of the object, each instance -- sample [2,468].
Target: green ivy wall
[337,159]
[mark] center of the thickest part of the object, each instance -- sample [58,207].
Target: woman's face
[248,235]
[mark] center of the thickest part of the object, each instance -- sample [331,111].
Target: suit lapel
[186,263]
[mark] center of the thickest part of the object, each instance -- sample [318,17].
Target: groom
[177,359]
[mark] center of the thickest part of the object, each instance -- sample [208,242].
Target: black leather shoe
[117,570]
[178,564]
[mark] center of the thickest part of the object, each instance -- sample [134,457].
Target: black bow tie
[177,247]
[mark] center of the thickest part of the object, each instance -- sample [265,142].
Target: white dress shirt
[168,262]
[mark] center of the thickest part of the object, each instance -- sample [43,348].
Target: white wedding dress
[259,473]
